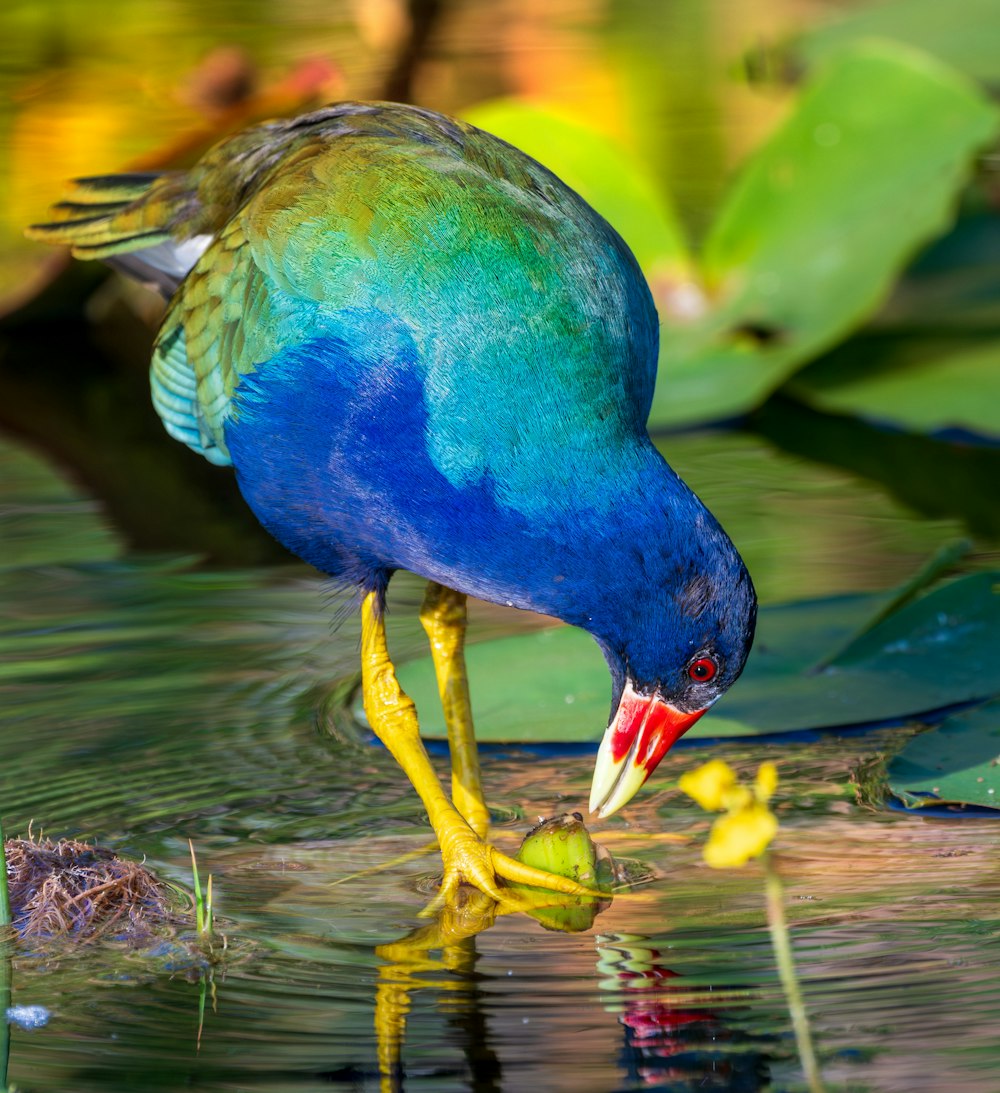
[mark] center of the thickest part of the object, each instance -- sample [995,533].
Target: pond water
[147,702]
[147,699]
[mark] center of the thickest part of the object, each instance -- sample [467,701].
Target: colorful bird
[420,350]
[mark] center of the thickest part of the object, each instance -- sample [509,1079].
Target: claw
[470,860]
[518,873]
[467,857]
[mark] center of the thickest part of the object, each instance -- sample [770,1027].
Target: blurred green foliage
[821,220]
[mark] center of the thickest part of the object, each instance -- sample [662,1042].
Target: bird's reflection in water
[447,944]
[674,1038]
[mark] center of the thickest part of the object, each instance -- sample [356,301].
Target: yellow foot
[468,859]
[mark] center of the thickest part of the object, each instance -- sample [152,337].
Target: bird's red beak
[640,734]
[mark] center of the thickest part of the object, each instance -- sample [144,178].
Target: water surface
[147,701]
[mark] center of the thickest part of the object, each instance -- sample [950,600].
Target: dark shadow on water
[77,388]
[937,476]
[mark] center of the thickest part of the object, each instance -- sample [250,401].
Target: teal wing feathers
[201,349]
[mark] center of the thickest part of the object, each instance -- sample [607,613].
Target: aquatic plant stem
[199,903]
[6,983]
[5,915]
[777,924]
[6,963]
[203,909]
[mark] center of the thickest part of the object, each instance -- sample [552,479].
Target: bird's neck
[602,548]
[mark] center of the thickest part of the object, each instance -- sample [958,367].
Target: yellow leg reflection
[408,965]
[444,617]
[392,715]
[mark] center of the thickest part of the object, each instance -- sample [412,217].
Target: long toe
[517,872]
[469,859]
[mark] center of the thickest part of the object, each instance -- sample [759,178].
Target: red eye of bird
[702,670]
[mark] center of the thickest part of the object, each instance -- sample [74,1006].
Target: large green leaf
[963,33]
[931,365]
[864,170]
[618,184]
[920,382]
[956,763]
[936,651]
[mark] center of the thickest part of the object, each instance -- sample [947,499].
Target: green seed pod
[562,845]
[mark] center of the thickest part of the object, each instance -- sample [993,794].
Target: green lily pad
[619,185]
[958,763]
[804,247]
[942,649]
[914,381]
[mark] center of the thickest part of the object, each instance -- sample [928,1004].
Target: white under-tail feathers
[164,265]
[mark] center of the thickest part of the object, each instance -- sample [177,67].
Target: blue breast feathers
[332,443]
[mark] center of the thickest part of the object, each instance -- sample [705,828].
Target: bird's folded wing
[202,349]
[187,234]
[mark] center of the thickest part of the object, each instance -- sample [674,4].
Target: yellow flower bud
[738,797]
[766,783]
[710,784]
[739,836]
[749,825]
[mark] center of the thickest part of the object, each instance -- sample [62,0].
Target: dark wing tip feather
[92,208]
[57,231]
[74,225]
[119,244]
[87,216]
[99,189]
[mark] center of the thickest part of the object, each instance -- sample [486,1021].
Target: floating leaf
[943,649]
[958,763]
[945,558]
[804,246]
[919,382]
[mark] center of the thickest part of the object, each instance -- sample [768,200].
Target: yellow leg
[444,616]
[393,717]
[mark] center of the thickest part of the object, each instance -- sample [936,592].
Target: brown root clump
[72,889]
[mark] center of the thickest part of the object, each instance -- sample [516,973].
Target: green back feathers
[283,231]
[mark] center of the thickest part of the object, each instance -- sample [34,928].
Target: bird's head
[688,644]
